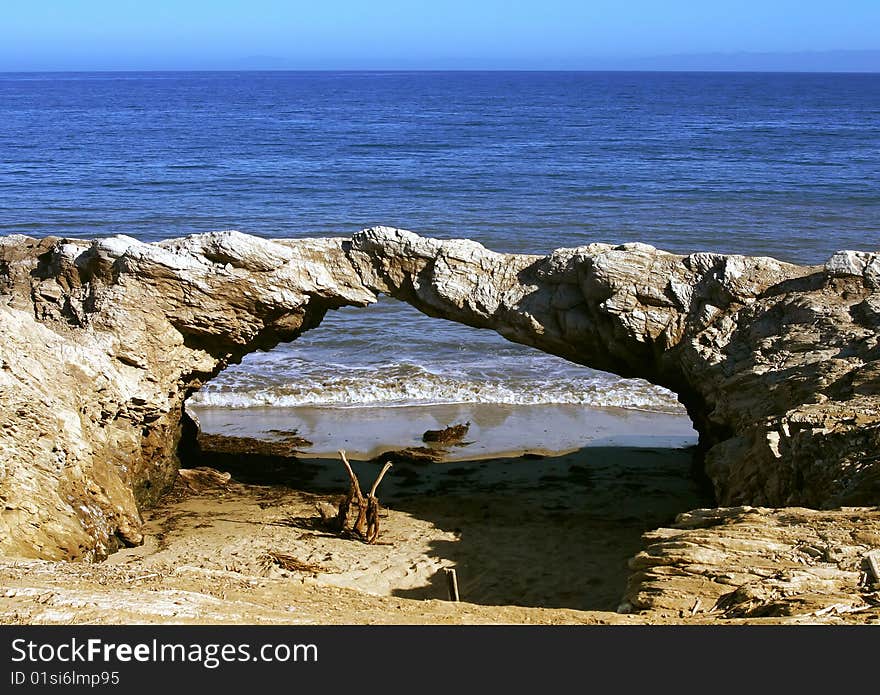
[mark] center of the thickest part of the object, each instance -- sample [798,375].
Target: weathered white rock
[101,343]
[777,364]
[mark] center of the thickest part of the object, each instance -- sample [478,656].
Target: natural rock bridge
[778,365]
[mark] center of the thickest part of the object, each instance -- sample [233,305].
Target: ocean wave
[425,388]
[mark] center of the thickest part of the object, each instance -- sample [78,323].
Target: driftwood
[202,478]
[448,435]
[293,564]
[452,584]
[358,516]
[416,454]
[327,511]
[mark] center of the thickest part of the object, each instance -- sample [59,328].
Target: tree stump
[358,515]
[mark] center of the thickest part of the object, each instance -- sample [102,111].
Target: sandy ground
[535,537]
[533,540]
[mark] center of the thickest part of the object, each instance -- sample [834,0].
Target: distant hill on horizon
[740,61]
[802,61]
[865,61]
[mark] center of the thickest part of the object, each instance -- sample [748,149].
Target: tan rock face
[101,343]
[752,562]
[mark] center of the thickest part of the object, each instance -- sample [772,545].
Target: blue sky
[417,34]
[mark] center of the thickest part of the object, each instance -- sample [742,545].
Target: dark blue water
[786,165]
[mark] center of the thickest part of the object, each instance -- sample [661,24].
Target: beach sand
[543,506]
[550,529]
[544,537]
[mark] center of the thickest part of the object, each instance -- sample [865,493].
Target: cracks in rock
[740,339]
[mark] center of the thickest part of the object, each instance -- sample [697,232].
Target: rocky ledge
[752,562]
[101,342]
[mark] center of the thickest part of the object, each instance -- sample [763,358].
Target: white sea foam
[424,388]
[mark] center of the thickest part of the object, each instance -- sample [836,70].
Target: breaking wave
[407,385]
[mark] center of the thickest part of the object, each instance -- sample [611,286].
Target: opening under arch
[565,467]
[372,379]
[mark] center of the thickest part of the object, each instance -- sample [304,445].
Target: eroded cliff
[101,343]
[776,364]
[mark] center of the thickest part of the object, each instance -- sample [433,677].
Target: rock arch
[102,342]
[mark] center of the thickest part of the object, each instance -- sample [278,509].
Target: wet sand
[495,430]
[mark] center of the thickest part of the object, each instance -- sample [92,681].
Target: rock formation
[101,343]
[776,364]
[752,562]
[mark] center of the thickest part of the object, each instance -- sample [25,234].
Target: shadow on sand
[552,532]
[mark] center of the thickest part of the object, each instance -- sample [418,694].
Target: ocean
[785,165]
